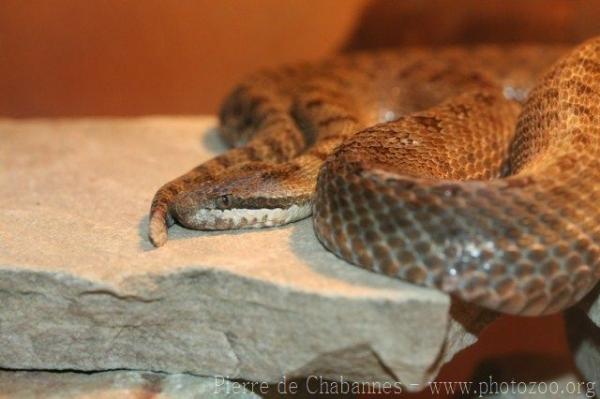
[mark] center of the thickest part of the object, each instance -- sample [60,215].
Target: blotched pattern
[429,168]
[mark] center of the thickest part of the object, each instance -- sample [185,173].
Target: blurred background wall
[137,57]
[133,57]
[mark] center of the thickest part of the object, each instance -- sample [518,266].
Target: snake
[471,170]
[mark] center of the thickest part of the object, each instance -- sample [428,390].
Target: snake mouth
[239,218]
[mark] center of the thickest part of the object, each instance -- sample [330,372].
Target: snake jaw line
[239,218]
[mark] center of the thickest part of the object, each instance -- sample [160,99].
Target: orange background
[132,57]
[126,57]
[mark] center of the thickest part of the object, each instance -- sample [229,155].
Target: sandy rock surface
[82,288]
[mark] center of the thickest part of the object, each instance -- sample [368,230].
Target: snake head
[251,195]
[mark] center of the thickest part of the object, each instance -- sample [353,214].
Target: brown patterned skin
[422,174]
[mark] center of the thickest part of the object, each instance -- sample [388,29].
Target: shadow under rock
[523,367]
[581,328]
[588,301]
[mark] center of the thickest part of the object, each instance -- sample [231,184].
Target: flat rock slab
[81,287]
[117,384]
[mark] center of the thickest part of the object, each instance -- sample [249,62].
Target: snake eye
[224,201]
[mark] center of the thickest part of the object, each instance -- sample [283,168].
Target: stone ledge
[116,384]
[83,289]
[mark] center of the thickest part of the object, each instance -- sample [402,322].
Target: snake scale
[472,170]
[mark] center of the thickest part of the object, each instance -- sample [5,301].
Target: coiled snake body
[475,171]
